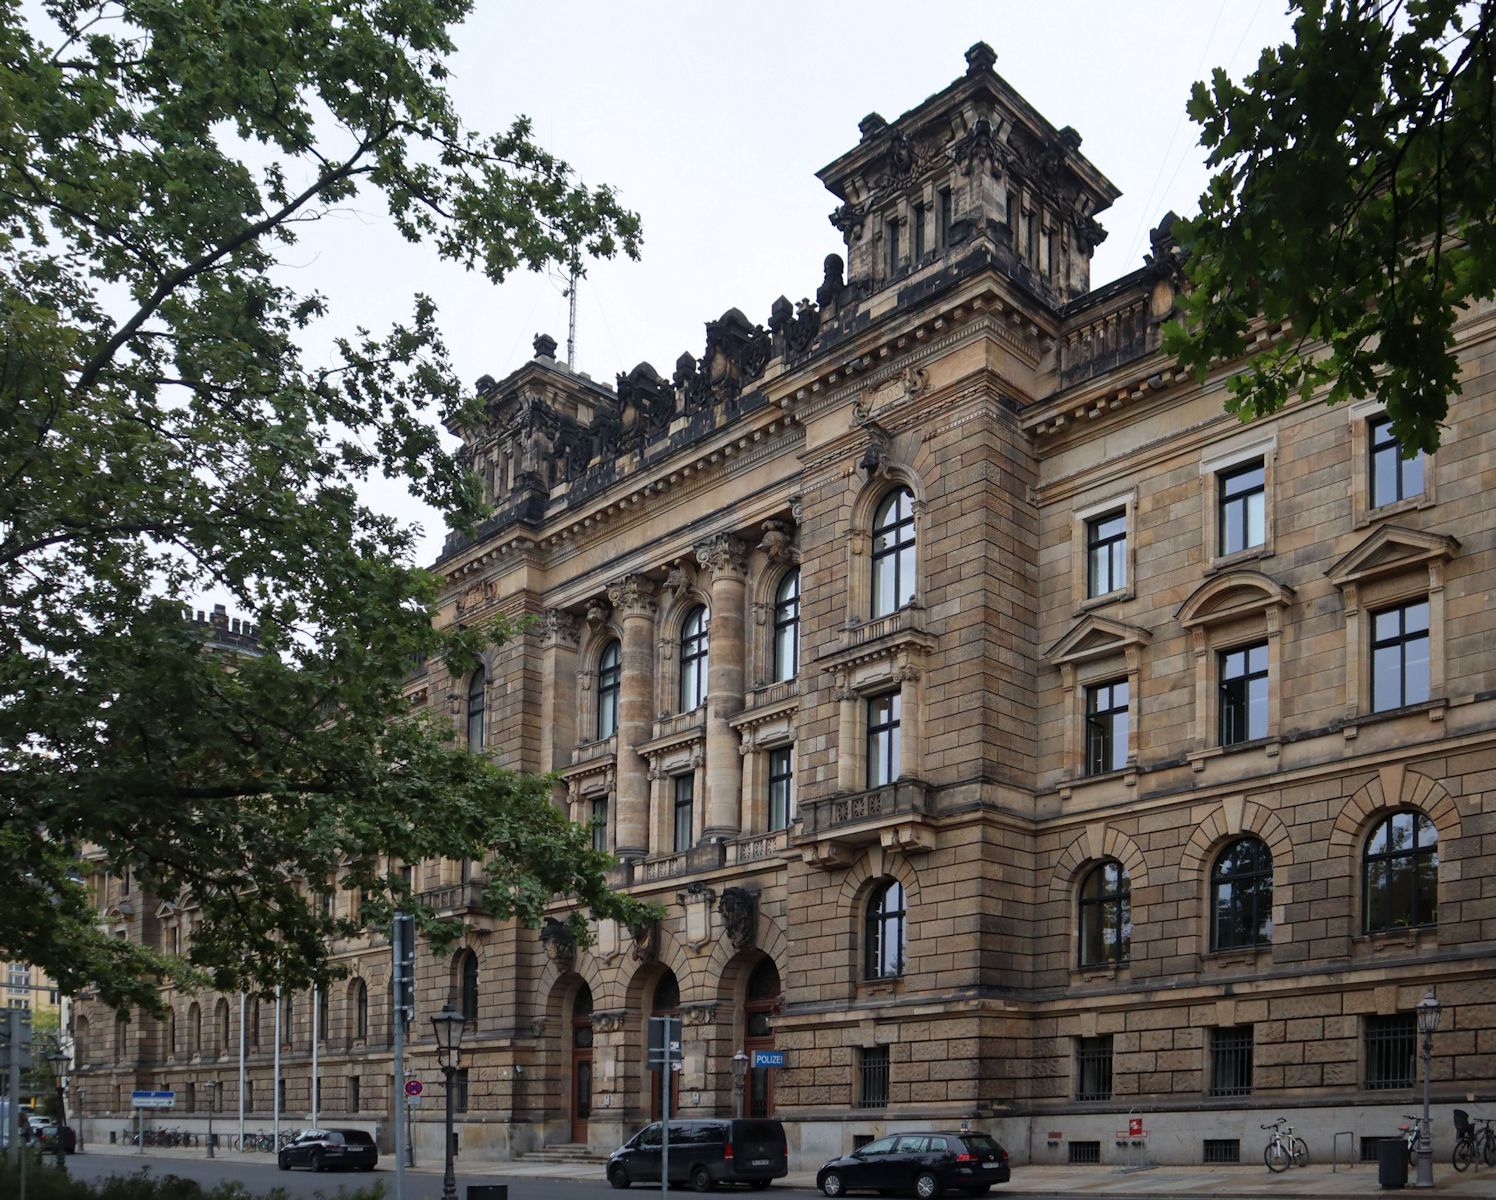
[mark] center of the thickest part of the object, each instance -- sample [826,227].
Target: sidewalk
[1034,1183]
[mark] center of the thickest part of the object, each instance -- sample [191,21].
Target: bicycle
[1475,1139]
[1283,1148]
[1410,1134]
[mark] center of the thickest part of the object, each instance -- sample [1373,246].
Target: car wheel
[833,1184]
[282,1162]
[316,1160]
[926,1186]
[701,1178]
[618,1177]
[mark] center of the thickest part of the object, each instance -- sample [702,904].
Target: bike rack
[1350,1159]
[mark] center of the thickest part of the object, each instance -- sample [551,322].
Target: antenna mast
[571,324]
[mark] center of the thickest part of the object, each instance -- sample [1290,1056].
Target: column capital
[724,555]
[560,627]
[633,594]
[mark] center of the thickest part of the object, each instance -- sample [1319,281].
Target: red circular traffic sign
[414,1087]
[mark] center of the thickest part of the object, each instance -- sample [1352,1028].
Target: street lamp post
[212,1095]
[449,1025]
[58,1061]
[739,1073]
[78,1106]
[1428,1022]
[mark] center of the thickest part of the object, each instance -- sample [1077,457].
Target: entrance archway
[759,1008]
[664,1003]
[581,1063]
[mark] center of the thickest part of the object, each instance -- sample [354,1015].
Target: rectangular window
[1106,553]
[600,823]
[1106,727]
[1231,1061]
[685,803]
[1243,503]
[872,1077]
[781,786]
[943,219]
[893,247]
[1031,237]
[1093,1068]
[1243,694]
[1221,1150]
[1085,1154]
[460,1090]
[1391,1046]
[883,739]
[1399,656]
[1393,477]
[355,1094]
[920,213]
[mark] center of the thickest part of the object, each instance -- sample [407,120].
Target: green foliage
[1353,200]
[162,437]
[45,1182]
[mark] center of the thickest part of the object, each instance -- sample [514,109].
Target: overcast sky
[711,121]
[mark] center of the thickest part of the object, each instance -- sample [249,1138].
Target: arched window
[1241,896]
[225,1034]
[467,967]
[476,699]
[883,936]
[694,635]
[1401,873]
[172,1045]
[893,553]
[121,1035]
[323,1015]
[81,1046]
[1105,916]
[360,1009]
[609,685]
[195,1030]
[787,627]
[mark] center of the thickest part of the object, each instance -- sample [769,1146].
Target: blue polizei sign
[768,1058]
[153,1099]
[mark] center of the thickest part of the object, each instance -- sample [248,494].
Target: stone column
[727,559]
[911,732]
[851,750]
[634,599]
[558,698]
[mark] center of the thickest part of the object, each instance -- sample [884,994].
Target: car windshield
[980,1143]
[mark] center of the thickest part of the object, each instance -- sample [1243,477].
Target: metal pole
[398,929]
[316,1033]
[241,1070]
[665,1109]
[449,1177]
[1425,1139]
[276,1099]
[80,1120]
[212,1093]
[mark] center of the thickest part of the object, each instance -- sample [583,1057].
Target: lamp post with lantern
[449,1025]
[1428,1022]
[212,1098]
[58,1061]
[740,1073]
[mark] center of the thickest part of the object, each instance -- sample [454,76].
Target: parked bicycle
[1410,1133]
[1283,1149]
[1474,1139]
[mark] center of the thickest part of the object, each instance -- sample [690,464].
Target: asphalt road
[260,1176]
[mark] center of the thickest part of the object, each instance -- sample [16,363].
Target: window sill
[1396,509]
[1435,709]
[1102,973]
[1270,746]
[1236,956]
[1227,561]
[888,986]
[1128,775]
[1094,602]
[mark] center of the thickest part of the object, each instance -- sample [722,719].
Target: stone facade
[960,839]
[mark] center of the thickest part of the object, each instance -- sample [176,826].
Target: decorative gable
[1234,594]
[1390,549]
[1096,637]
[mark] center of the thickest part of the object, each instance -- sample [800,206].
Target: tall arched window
[121,1035]
[195,1030]
[893,552]
[1241,896]
[787,627]
[609,686]
[476,701]
[467,967]
[323,1015]
[172,1044]
[884,932]
[225,1034]
[694,636]
[1105,916]
[1401,873]
[360,999]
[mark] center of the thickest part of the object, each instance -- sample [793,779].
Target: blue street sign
[153,1099]
[768,1058]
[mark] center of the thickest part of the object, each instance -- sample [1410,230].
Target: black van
[704,1154]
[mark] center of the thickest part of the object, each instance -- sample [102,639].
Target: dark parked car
[46,1135]
[926,1164]
[330,1149]
[704,1154]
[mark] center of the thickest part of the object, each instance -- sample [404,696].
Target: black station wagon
[330,1150]
[926,1164]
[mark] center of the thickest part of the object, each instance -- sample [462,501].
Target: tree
[1353,200]
[162,435]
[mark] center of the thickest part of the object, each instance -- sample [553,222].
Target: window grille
[1391,1049]
[1231,1062]
[872,1077]
[1093,1069]
[1221,1150]
[1085,1153]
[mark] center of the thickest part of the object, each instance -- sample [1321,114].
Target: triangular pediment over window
[1234,594]
[1095,637]
[1390,549]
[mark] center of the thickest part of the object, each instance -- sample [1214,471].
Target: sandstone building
[1009,735]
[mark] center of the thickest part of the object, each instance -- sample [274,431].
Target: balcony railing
[905,619]
[685,722]
[453,899]
[771,694]
[592,751]
[758,847]
[907,797]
